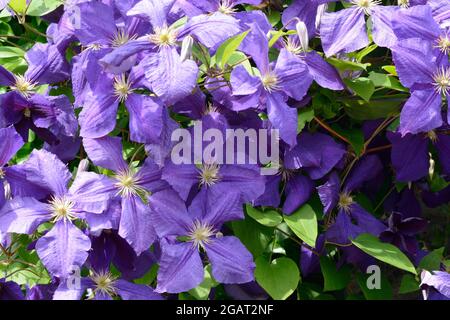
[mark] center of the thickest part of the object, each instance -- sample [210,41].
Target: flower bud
[320,11]
[302,32]
[186,48]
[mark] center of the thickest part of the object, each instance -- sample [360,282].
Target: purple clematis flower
[133,187]
[99,113]
[420,69]
[11,143]
[345,31]
[10,291]
[102,285]
[52,118]
[401,232]
[64,246]
[186,233]
[197,7]
[440,282]
[410,157]
[270,89]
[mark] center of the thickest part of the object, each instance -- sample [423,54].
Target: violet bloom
[171,76]
[132,186]
[420,69]
[401,232]
[102,285]
[270,89]
[410,157]
[11,143]
[64,246]
[99,113]
[439,281]
[52,118]
[345,31]
[197,7]
[308,11]
[186,233]
[10,291]
[46,65]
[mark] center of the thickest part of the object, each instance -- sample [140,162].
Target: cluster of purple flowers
[136,70]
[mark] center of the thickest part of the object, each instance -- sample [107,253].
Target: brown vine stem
[330,130]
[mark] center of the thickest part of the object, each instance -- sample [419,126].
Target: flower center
[270,82]
[209,174]
[120,38]
[128,185]
[403,3]
[293,46]
[443,44]
[345,201]
[164,36]
[104,282]
[432,136]
[122,88]
[366,5]
[27,113]
[226,7]
[200,234]
[442,81]
[23,85]
[2,174]
[285,173]
[61,208]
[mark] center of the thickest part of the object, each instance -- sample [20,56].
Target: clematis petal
[135,224]
[343,31]
[180,268]
[329,192]
[155,10]
[11,142]
[169,214]
[243,83]
[23,215]
[439,280]
[298,190]
[282,117]
[211,30]
[6,77]
[293,75]
[382,26]
[131,291]
[230,260]
[63,248]
[365,170]
[146,118]
[171,78]
[421,113]
[106,152]
[71,289]
[409,156]
[181,177]
[322,72]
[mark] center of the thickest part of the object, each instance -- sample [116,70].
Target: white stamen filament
[443,44]
[23,85]
[164,36]
[209,174]
[201,233]
[128,184]
[345,201]
[61,208]
[270,82]
[403,3]
[104,282]
[292,46]
[122,88]
[121,37]
[366,5]
[441,81]
[226,7]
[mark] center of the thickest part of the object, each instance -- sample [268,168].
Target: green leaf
[269,218]
[42,7]
[354,136]
[303,223]
[305,115]
[254,236]
[334,279]
[345,65]
[432,261]
[364,52]
[202,291]
[383,293]
[11,52]
[377,108]
[385,252]
[390,70]
[408,284]
[386,81]
[279,278]
[363,87]
[228,48]
[18,5]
